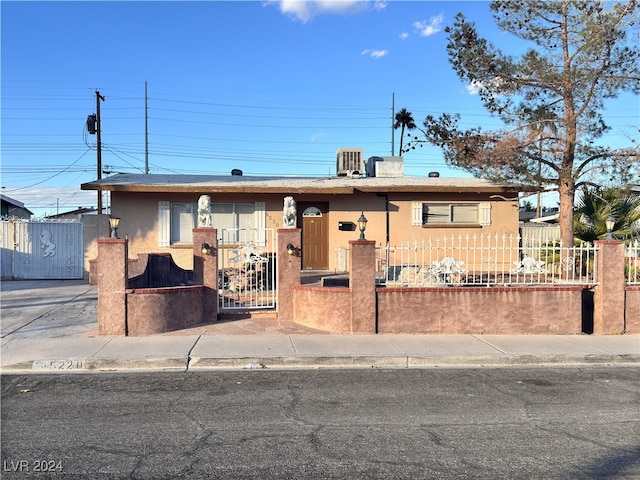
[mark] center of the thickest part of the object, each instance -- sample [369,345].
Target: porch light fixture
[610,223]
[362,225]
[291,249]
[113,223]
[206,249]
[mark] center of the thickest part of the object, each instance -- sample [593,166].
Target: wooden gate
[42,249]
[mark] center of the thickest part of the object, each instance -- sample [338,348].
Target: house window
[235,220]
[312,212]
[183,218]
[240,222]
[451,214]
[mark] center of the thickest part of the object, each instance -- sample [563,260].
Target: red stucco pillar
[205,270]
[608,298]
[113,268]
[362,282]
[287,270]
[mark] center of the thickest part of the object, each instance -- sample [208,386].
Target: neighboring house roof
[333,185]
[78,211]
[10,205]
[546,219]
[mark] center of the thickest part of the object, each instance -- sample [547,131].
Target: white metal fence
[485,260]
[632,262]
[246,269]
[41,249]
[539,232]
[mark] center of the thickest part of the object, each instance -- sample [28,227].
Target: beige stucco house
[158,212]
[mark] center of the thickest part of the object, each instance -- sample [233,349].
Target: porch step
[241,315]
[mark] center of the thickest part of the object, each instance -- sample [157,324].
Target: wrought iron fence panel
[246,269]
[485,260]
[632,262]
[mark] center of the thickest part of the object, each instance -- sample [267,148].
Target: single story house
[158,212]
[76,214]
[13,208]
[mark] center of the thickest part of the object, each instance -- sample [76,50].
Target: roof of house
[552,218]
[14,202]
[11,201]
[290,185]
[77,211]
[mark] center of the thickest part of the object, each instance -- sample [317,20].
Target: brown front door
[315,236]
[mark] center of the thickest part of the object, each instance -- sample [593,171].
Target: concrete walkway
[51,326]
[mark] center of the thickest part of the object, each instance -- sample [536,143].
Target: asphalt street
[563,423]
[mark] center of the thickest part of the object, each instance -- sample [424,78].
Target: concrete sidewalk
[51,326]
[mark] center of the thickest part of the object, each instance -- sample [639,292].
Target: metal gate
[247,269]
[42,249]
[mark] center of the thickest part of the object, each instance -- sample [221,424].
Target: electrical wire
[52,176]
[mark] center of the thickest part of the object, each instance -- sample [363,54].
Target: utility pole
[393,111]
[99,147]
[146,132]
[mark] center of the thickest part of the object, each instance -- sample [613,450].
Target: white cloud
[317,136]
[474,88]
[375,53]
[404,36]
[426,29]
[305,10]
[296,8]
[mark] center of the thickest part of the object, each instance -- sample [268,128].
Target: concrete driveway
[47,308]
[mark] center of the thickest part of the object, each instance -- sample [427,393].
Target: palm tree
[596,205]
[404,119]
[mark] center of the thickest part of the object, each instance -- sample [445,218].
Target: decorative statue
[204,211]
[289,213]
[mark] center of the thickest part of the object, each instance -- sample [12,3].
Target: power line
[52,176]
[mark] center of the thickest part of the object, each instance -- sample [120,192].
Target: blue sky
[271,88]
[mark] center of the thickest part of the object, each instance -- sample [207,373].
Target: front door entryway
[315,236]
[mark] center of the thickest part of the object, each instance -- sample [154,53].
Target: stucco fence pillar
[342,309]
[205,270]
[112,286]
[609,294]
[287,270]
[362,282]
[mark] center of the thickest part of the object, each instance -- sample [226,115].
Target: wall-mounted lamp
[610,223]
[206,249]
[113,223]
[291,249]
[362,225]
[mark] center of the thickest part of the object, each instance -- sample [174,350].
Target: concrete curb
[71,365]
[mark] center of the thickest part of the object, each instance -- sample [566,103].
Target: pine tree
[550,99]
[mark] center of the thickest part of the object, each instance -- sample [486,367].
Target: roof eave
[441,189]
[213,189]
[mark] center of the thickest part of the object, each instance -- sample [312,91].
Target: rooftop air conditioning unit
[350,162]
